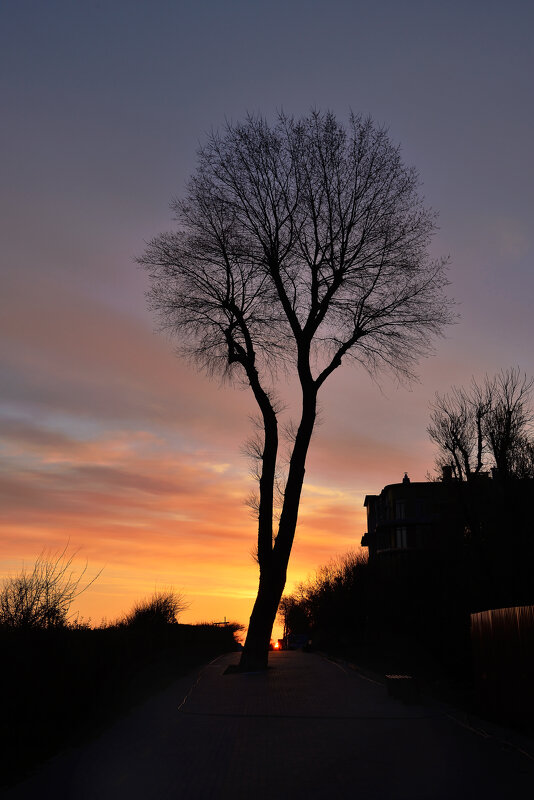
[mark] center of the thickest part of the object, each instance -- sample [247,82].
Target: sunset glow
[114,445]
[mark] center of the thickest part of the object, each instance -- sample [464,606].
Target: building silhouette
[410,518]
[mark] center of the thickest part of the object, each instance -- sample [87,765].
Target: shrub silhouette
[41,598]
[333,604]
[163,608]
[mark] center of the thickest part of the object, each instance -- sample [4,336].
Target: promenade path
[307,728]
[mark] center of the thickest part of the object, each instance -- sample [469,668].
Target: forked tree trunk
[273,568]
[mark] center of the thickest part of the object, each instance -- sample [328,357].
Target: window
[400,509]
[401,538]
[398,538]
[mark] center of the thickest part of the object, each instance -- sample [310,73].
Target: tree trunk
[273,568]
[256,651]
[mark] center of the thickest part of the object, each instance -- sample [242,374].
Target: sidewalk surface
[307,728]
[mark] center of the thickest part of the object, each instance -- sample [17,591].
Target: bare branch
[488,426]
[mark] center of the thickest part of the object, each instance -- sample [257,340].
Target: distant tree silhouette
[42,596]
[488,425]
[299,245]
[509,422]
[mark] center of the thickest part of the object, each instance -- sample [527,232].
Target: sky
[109,443]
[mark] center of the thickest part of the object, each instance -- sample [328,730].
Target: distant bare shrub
[41,597]
[163,608]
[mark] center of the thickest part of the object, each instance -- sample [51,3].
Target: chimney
[447,473]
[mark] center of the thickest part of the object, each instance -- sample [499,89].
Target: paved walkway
[308,728]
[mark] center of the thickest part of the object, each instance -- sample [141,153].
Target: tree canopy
[305,231]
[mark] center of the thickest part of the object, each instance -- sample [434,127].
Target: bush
[331,605]
[163,608]
[41,597]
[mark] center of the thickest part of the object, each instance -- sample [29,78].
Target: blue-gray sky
[107,437]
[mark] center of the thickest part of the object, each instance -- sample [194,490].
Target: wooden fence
[503,660]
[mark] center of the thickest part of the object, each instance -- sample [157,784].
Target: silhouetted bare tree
[42,597]
[299,245]
[508,425]
[488,425]
[456,426]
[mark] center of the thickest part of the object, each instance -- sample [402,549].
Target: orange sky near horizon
[151,518]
